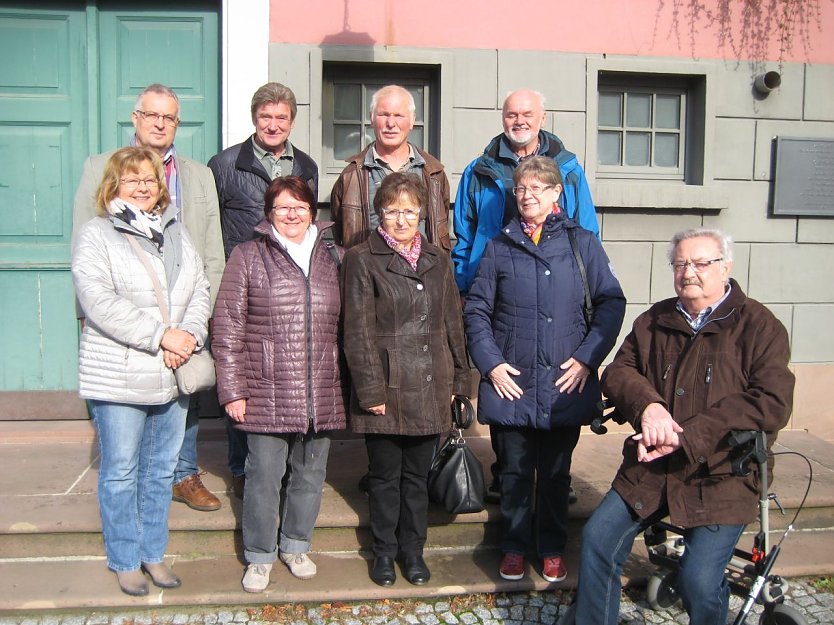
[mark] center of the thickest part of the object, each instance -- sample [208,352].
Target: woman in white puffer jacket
[128,355]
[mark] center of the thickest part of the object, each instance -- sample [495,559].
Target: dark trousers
[535,487]
[398,497]
[238,448]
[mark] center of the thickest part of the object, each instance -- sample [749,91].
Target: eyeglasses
[408,214]
[149,116]
[698,266]
[132,183]
[301,211]
[535,189]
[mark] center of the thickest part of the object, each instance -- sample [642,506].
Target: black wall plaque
[804,181]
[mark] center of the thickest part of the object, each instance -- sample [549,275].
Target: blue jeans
[139,446]
[187,461]
[535,477]
[606,543]
[270,456]
[238,448]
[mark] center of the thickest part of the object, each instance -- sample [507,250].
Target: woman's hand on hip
[180,342]
[503,384]
[237,410]
[575,376]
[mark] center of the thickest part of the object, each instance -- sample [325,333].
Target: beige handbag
[197,374]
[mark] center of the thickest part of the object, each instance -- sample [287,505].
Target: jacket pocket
[390,367]
[267,359]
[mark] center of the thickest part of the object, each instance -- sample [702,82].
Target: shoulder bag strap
[330,243]
[588,307]
[157,287]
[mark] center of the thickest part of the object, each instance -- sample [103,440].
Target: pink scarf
[411,255]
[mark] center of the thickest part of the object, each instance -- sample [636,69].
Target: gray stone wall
[785,262]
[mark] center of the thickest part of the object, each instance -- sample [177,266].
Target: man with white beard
[486,200]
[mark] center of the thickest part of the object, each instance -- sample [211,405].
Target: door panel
[175,48]
[46,126]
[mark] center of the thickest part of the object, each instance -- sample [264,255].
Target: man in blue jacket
[485,200]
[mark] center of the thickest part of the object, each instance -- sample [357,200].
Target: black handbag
[456,477]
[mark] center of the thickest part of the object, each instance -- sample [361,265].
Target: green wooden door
[69,77]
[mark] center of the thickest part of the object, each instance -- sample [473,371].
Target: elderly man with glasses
[693,368]
[156,117]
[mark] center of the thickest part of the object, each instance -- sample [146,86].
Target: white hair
[389,89]
[724,241]
[539,95]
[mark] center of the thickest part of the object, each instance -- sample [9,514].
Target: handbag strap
[463,414]
[157,287]
[588,304]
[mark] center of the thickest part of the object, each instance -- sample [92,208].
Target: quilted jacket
[275,337]
[120,359]
[525,308]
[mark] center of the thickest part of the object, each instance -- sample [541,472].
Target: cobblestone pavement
[531,608]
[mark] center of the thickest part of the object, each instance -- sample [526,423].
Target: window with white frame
[642,126]
[347,91]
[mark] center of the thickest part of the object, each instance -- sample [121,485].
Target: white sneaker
[256,578]
[299,564]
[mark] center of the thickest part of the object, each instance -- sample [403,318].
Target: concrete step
[51,553]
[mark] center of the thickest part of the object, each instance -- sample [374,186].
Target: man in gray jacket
[191,185]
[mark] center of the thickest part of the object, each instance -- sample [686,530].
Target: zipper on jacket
[666,371]
[708,375]
[311,422]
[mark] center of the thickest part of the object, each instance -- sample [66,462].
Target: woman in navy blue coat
[538,356]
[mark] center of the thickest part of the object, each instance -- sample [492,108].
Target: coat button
[547,272]
[428,378]
[679,391]
[550,320]
[422,317]
[638,505]
[419,286]
[425,348]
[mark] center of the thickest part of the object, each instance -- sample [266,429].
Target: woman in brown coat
[407,358]
[276,331]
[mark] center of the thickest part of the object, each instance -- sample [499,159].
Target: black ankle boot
[383,572]
[415,570]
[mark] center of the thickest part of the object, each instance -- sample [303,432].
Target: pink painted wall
[628,27]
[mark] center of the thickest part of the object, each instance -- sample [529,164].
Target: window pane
[610,109]
[370,90]
[666,149]
[345,141]
[415,137]
[369,136]
[608,148]
[418,93]
[637,148]
[347,102]
[639,107]
[668,111]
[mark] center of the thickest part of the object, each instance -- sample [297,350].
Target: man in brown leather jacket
[693,368]
[392,117]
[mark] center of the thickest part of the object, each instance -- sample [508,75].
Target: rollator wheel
[782,614]
[662,592]
[569,617]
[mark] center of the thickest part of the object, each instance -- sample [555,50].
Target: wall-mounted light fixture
[767,82]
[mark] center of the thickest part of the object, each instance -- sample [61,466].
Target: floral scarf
[148,225]
[411,255]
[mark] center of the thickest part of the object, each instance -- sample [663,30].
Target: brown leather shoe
[194,494]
